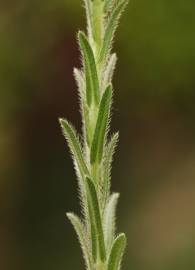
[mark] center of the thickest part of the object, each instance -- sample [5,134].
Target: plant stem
[101,248]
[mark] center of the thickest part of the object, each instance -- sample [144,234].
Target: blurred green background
[154,110]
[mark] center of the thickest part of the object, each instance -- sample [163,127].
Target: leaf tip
[63,123]
[116,195]
[122,239]
[69,214]
[62,120]
[81,35]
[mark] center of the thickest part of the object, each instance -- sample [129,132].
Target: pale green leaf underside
[88,8]
[74,146]
[109,70]
[80,83]
[109,220]
[83,106]
[108,158]
[81,233]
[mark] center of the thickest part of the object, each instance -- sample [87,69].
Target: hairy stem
[101,248]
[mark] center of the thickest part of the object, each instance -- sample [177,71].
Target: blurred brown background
[154,110]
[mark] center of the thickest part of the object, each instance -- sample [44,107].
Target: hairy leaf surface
[109,70]
[92,82]
[101,126]
[94,204]
[80,83]
[88,8]
[117,251]
[81,233]
[110,29]
[109,220]
[108,158]
[74,146]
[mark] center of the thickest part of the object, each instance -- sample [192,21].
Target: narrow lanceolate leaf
[88,8]
[109,220]
[81,233]
[94,205]
[116,253]
[79,162]
[94,237]
[110,29]
[109,70]
[108,158]
[74,146]
[92,82]
[101,126]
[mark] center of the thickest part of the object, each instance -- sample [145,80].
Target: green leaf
[74,146]
[94,204]
[101,126]
[116,253]
[109,70]
[79,162]
[94,237]
[108,158]
[88,8]
[109,220]
[110,29]
[92,82]
[81,233]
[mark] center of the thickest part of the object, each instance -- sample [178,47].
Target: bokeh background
[154,110]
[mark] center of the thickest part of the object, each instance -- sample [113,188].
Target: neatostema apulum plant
[92,152]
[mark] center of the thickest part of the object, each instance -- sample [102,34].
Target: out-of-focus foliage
[155,113]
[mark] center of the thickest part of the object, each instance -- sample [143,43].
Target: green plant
[92,157]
